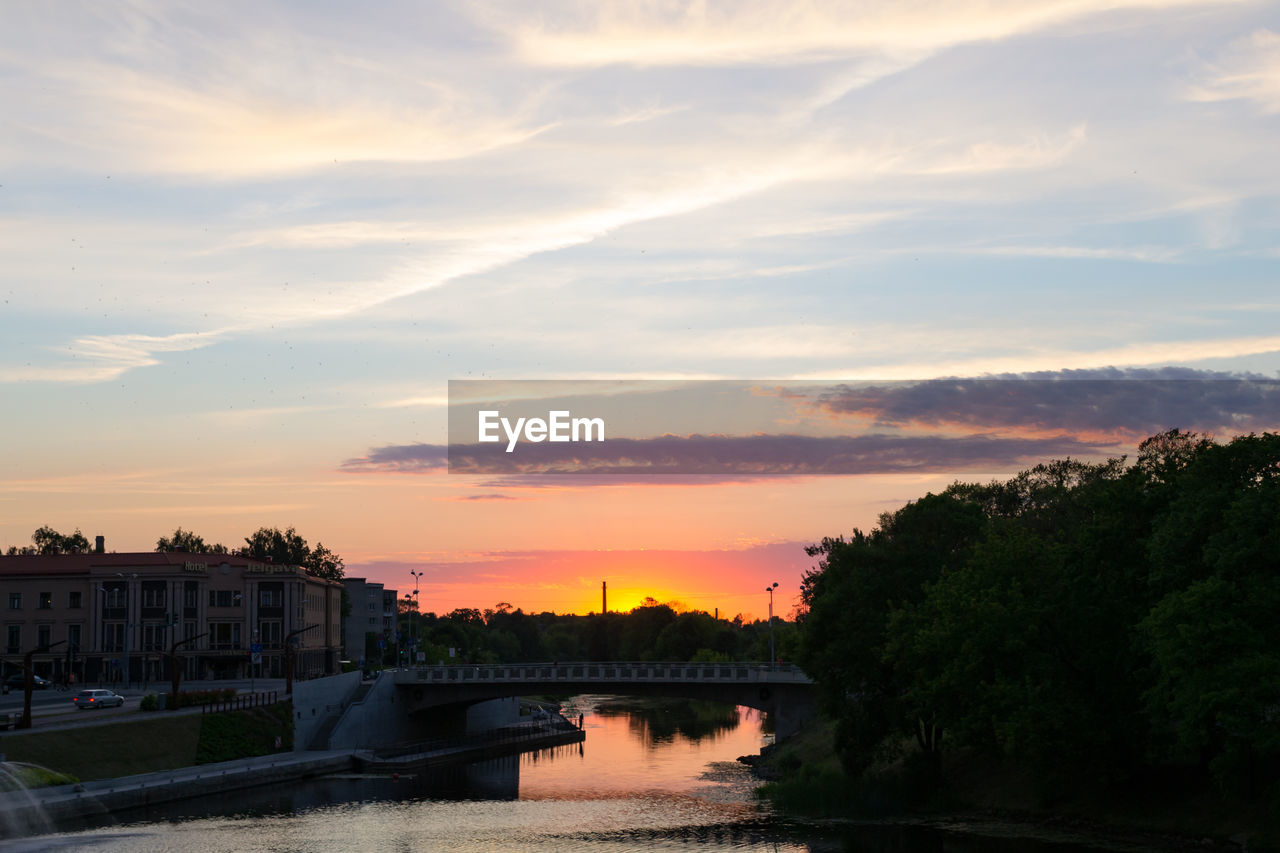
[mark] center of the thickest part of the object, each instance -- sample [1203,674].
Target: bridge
[781,689]
[420,703]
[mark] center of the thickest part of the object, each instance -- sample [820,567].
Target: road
[52,708]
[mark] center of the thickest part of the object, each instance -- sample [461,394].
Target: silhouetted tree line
[651,632]
[266,543]
[1087,620]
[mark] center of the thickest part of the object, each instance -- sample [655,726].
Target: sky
[246,246]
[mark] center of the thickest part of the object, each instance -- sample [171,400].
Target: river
[650,776]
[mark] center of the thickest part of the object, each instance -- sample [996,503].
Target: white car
[97,699]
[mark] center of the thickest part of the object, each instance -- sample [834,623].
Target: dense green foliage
[653,632]
[1088,621]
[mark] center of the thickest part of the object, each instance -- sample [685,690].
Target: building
[116,617]
[370,614]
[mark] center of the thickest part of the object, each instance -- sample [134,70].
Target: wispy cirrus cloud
[1249,69]
[758,31]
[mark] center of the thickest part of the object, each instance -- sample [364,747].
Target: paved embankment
[480,749]
[43,805]
[40,810]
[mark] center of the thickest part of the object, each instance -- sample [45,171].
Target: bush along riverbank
[966,791]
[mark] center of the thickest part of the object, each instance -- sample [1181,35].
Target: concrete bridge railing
[608,673]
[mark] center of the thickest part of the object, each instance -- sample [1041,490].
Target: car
[17,681]
[97,699]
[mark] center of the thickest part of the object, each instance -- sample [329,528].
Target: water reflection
[662,721]
[648,778]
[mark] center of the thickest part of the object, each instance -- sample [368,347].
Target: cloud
[100,358]
[410,459]
[490,496]
[1035,358]
[1248,70]
[722,457]
[1098,405]
[661,32]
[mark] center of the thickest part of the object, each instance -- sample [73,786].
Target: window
[113,637]
[73,600]
[189,594]
[153,637]
[153,596]
[188,630]
[224,635]
[269,598]
[44,635]
[224,598]
[269,634]
[14,644]
[115,597]
[15,601]
[73,637]
[46,601]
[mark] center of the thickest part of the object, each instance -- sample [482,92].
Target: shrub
[150,702]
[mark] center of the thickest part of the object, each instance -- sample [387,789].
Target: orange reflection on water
[625,756]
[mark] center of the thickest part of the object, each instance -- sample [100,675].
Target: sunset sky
[245,246]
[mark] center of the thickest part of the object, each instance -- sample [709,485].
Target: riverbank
[978,796]
[39,810]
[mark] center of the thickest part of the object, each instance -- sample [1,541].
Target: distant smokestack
[604,596]
[99,544]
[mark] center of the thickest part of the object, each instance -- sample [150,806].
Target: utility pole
[772,655]
[604,596]
[28,682]
[288,657]
[175,671]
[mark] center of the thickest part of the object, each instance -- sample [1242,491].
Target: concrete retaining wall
[39,810]
[315,700]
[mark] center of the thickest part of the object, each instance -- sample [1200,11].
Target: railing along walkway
[639,671]
[240,703]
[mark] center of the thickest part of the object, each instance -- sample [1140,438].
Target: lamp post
[24,722]
[416,575]
[128,669]
[772,657]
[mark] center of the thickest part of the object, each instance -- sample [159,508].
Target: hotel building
[111,618]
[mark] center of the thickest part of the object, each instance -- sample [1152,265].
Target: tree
[189,542]
[289,548]
[278,546]
[49,541]
[323,563]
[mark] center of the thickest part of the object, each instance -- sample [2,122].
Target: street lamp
[128,669]
[416,575]
[769,589]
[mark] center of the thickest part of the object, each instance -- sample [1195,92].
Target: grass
[239,734]
[154,742]
[113,749]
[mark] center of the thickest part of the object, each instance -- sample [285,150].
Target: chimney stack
[99,544]
[604,596]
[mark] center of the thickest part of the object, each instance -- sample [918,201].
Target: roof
[87,564]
